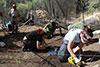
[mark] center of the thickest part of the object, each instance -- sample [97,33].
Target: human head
[88,30]
[84,38]
[45,35]
[87,36]
[53,24]
[41,32]
[31,12]
[14,5]
[47,31]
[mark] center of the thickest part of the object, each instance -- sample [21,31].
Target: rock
[97,65]
[93,21]
[96,32]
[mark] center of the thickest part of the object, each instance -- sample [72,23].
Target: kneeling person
[33,40]
[72,43]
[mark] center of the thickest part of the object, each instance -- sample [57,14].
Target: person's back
[73,34]
[30,17]
[34,36]
[34,39]
[51,27]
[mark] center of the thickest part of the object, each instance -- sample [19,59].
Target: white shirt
[73,35]
[14,13]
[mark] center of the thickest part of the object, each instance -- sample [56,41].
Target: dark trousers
[29,45]
[14,26]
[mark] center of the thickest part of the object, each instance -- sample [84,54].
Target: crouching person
[72,44]
[34,40]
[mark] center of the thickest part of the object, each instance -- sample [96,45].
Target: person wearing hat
[34,40]
[51,27]
[14,14]
[72,44]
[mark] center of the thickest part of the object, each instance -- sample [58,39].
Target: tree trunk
[49,8]
[60,8]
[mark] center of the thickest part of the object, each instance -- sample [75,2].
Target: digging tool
[26,22]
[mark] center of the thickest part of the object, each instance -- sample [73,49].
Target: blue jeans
[64,54]
[14,26]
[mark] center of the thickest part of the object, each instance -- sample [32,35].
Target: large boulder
[93,21]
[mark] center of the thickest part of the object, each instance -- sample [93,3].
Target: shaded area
[35,59]
[91,56]
[11,40]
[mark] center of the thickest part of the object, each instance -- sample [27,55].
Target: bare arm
[70,44]
[44,41]
[38,46]
[44,27]
[69,47]
[78,47]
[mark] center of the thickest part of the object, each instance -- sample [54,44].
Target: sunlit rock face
[93,21]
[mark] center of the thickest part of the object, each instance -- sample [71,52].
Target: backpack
[9,27]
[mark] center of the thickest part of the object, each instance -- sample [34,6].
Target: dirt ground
[12,56]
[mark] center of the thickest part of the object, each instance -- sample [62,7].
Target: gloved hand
[45,45]
[76,60]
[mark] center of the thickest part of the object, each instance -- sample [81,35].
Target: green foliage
[28,5]
[2,4]
[94,6]
[25,5]
[81,6]
[22,8]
